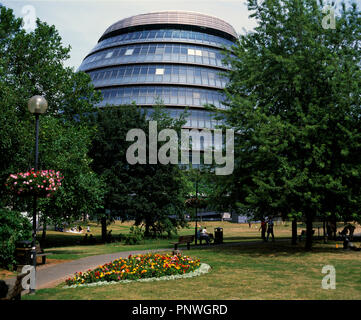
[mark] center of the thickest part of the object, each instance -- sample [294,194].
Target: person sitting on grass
[92,239]
[347,244]
[349,228]
[85,239]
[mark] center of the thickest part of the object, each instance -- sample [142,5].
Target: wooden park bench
[40,253]
[303,234]
[182,240]
[211,238]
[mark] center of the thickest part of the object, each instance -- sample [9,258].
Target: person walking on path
[270,229]
[263,227]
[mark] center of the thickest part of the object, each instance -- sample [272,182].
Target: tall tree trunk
[103,221]
[147,227]
[294,231]
[309,229]
[324,231]
[334,227]
[43,235]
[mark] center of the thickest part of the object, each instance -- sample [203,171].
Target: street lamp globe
[37,105]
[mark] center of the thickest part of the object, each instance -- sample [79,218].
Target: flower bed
[41,183]
[137,267]
[203,269]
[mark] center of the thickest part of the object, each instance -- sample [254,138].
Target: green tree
[32,64]
[294,102]
[65,146]
[151,194]
[13,227]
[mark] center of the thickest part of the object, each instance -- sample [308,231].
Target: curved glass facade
[164,35]
[172,57]
[169,53]
[174,95]
[195,118]
[155,73]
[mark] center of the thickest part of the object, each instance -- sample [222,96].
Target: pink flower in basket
[39,183]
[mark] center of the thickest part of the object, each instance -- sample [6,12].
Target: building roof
[172,18]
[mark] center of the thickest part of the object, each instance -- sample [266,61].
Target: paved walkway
[52,275]
[48,276]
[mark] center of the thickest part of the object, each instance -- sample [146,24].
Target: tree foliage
[13,227]
[294,101]
[32,64]
[151,194]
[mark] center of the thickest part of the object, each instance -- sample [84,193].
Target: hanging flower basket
[41,183]
[194,202]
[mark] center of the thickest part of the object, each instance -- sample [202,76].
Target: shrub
[13,227]
[166,225]
[135,236]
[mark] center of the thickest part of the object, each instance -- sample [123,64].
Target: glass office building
[172,56]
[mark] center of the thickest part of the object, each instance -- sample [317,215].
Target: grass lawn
[242,271]
[68,246]
[253,271]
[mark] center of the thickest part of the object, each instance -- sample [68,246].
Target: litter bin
[23,252]
[218,235]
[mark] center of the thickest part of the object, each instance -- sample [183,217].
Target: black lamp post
[37,105]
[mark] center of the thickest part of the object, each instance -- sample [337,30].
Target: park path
[52,275]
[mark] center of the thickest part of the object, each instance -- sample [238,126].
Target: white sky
[82,22]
